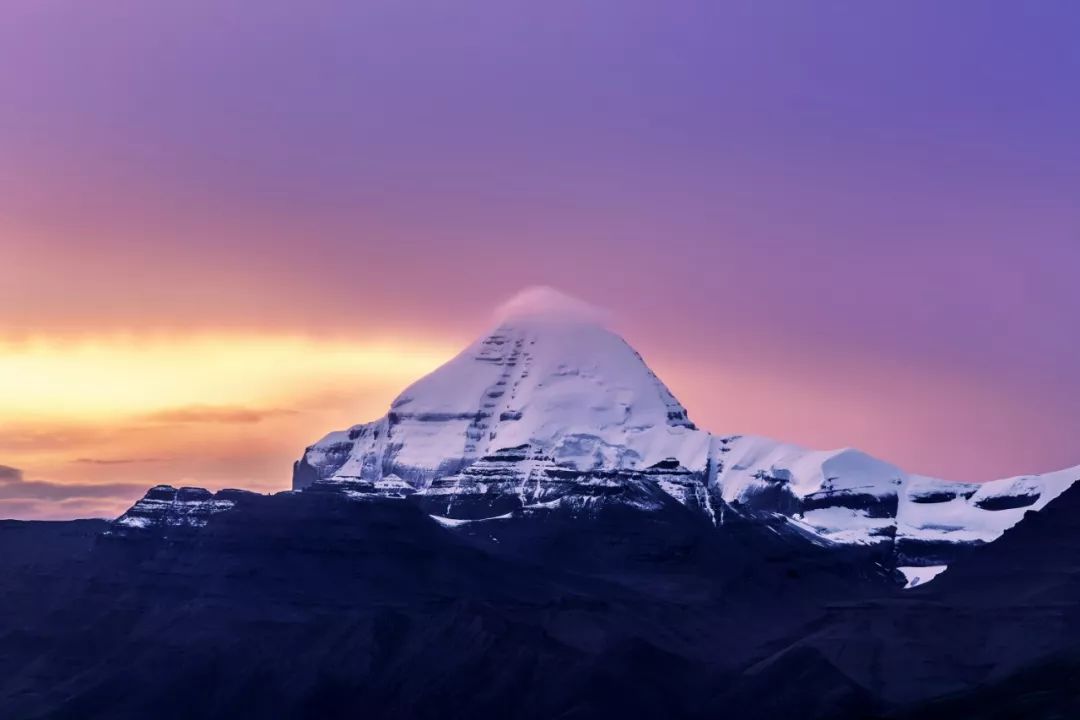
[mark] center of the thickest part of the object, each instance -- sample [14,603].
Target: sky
[228,227]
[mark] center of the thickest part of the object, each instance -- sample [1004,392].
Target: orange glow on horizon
[116,377]
[209,409]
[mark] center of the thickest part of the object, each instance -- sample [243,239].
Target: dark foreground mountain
[318,605]
[997,636]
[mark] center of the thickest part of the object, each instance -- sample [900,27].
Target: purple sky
[865,217]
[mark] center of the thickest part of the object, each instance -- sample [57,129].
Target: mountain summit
[550,384]
[551,410]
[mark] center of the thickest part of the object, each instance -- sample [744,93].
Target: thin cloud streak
[115,461]
[214,415]
[15,487]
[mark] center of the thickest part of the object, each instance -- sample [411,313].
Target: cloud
[22,509]
[42,490]
[214,414]
[22,438]
[67,435]
[25,509]
[13,486]
[548,304]
[115,461]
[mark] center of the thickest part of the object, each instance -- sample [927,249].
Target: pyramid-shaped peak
[551,368]
[549,377]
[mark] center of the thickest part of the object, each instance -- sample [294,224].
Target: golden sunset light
[117,377]
[207,409]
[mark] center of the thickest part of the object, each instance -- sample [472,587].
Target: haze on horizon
[227,228]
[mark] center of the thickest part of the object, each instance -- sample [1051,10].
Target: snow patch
[921,575]
[454,522]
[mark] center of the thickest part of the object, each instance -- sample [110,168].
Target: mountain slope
[997,636]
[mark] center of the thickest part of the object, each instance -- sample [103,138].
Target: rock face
[849,497]
[166,507]
[556,411]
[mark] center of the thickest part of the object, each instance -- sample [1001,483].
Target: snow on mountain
[975,512]
[848,496]
[164,506]
[552,409]
[571,395]
[920,575]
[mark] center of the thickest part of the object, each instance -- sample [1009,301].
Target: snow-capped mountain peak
[552,378]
